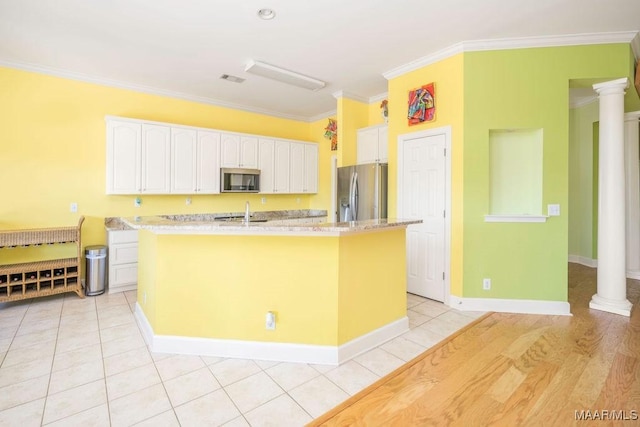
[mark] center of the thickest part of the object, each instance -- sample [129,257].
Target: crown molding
[350,95]
[321,116]
[631,37]
[56,72]
[378,98]
[583,102]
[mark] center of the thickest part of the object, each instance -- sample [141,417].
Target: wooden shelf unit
[41,278]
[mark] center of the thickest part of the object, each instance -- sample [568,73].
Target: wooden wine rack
[41,278]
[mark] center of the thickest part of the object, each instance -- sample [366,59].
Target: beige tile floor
[67,361]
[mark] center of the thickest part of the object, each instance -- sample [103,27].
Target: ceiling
[182,47]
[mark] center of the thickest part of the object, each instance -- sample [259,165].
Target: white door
[423,196]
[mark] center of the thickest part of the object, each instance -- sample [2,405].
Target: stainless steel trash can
[96,270]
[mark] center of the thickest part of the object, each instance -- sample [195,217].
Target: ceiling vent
[231,78]
[284,76]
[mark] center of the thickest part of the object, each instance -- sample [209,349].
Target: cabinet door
[367,146]
[310,168]
[249,152]
[281,166]
[156,155]
[296,183]
[208,163]
[229,151]
[123,157]
[266,165]
[383,144]
[183,161]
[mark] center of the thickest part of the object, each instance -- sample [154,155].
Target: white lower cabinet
[123,260]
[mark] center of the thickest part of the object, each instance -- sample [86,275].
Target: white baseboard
[593,263]
[588,262]
[282,352]
[510,305]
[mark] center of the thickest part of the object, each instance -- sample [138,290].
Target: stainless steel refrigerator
[362,192]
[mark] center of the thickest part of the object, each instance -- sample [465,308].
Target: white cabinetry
[274,166]
[123,260]
[124,146]
[138,158]
[194,161]
[372,145]
[156,159]
[304,168]
[237,151]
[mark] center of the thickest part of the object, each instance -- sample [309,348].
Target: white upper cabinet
[304,168]
[310,168]
[138,158]
[372,145]
[183,160]
[194,161]
[281,167]
[156,159]
[208,163]
[266,164]
[238,151]
[124,146]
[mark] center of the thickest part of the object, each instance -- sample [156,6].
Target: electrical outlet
[187,201]
[73,207]
[137,202]
[263,200]
[486,284]
[270,321]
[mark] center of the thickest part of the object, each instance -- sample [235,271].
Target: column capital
[612,87]
[632,116]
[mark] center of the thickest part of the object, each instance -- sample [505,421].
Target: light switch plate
[553,210]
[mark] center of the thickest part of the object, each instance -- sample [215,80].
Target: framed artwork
[422,104]
[331,132]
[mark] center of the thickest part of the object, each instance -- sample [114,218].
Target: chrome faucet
[247,216]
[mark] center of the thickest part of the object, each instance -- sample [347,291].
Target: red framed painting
[422,104]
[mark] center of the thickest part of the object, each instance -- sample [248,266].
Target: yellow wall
[448,78]
[324,290]
[352,115]
[52,153]
[372,287]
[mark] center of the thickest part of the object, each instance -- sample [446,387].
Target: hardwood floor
[515,369]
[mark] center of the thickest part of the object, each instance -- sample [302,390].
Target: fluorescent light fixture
[284,76]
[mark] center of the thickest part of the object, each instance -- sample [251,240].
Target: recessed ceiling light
[266,14]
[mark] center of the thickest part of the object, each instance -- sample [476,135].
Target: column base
[621,307]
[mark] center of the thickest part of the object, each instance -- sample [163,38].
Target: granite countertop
[119,223]
[164,225]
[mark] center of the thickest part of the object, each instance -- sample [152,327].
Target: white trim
[378,98]
[587,262]
[446,131]
[321,116]
[352,96]
[57,72]
[583,102]
[511,305]
[630,37]
[632,274]
[261,350]
[515,218]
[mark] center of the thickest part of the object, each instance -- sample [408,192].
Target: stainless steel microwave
[234,180]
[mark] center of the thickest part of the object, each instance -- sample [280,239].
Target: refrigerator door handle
[354,202]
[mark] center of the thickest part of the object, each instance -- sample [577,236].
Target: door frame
[402,138]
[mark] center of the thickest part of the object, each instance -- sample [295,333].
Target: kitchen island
[208,286]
